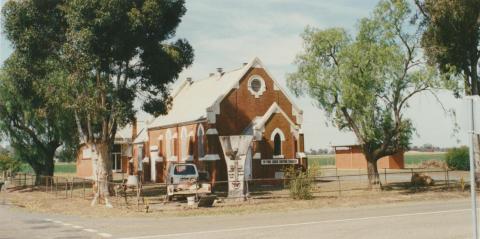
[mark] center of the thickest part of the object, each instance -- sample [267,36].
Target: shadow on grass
[408,188]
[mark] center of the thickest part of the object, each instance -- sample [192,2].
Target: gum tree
[34,126]
[451,39]
[112,53]
[364,82]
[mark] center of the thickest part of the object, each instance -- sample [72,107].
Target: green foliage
[458,158]
[62,168]
[67,153]
[34,124]
[90,59]
[7,163]
[364,82]
[451,39]
[300,183]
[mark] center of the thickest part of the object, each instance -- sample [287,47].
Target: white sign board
[235,149]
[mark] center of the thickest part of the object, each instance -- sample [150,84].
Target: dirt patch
[44,202]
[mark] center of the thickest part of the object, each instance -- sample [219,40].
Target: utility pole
[471,134]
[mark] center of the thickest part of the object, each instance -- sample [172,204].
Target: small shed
[351,157]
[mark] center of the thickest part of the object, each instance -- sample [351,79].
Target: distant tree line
[422,148]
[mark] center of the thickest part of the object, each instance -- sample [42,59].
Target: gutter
[202,120]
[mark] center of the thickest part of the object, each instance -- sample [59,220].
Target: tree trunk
[474,77]
[372,170]
[44,168]
[102,171]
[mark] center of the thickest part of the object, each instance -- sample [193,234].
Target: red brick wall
[237,111]
[146,166]
[154,136]
[240,107]
[288,146]
[84,166]
[354,158]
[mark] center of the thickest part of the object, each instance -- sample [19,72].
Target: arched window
[277,145]
[277,137]
[190,145]
[184,141]
[160,147]
[200,141]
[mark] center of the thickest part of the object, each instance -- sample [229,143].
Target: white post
[473,192]
[235,149]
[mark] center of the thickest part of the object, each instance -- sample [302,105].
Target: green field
[60,168]
[418,158]
[410,159]
[313,160]
[321,160]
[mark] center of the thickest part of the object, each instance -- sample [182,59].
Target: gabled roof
[124,134]
[258,124]
[142,137]
[274,108]
[192,98]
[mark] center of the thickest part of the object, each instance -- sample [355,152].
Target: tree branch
[30,132]
[353,125]
[402,102]
[79,127]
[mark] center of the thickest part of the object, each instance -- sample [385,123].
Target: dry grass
[42,202]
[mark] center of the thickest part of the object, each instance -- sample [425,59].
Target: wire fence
[327,182]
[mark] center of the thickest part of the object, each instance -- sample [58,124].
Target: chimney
[244,64]
[134,128]
[189,80]
[220,70]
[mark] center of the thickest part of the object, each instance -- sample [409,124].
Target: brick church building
[244,101]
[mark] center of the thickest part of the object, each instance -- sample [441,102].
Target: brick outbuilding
[351,157]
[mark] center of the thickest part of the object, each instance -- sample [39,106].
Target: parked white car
[183,180]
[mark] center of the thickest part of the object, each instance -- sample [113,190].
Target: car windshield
[185,170]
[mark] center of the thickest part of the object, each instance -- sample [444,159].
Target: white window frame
[117,156]
[262,86]
[282,139]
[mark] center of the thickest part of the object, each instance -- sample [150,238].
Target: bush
[300,183]
[9,164]
[458,158]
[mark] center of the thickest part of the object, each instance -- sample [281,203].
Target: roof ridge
[216,74]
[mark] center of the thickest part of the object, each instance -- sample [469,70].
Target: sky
[226,33]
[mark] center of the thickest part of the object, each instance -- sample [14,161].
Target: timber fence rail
[327,182]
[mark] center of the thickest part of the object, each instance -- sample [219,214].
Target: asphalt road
[439,219]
